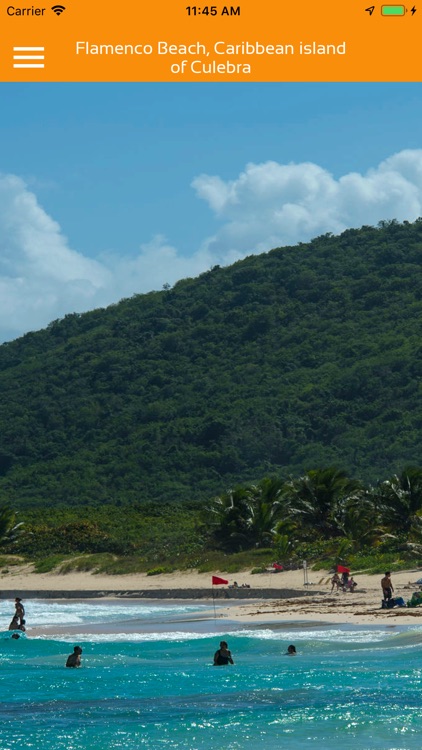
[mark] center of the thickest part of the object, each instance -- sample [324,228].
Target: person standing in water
[74,660]
[19,610]
[223,656]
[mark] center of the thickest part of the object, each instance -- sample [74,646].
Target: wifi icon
[58,9]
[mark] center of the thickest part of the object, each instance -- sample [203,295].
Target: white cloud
[40,276]
[32,243]
[157,263]
[275,204]
[267,205]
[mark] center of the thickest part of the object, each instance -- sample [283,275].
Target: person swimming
[291,651]
[74,660]
[223,656]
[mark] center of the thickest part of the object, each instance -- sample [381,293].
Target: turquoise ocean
[147,681]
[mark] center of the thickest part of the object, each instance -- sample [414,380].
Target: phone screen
[208,232]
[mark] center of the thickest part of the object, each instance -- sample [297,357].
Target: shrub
[156,571]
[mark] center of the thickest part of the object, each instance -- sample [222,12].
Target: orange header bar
[171,40]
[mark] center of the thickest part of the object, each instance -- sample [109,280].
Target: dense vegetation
[323,513]
[306,356]
[323,516]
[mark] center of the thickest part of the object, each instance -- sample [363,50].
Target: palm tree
[399,500]
[318,500]
[229,515]
[361,521]
[266,508]
[247,516]
[9,529]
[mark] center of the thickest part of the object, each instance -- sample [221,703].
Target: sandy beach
[311,602]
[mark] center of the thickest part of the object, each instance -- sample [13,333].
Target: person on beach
[291,651]
[74,660]
[223,656]
[344,580]
[387,586]
[335,582]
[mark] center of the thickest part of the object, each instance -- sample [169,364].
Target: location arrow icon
[370,10]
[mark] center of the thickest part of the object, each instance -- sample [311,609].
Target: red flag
[216,580]
[342,569]
[277,566]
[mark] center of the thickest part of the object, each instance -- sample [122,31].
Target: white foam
[45,613]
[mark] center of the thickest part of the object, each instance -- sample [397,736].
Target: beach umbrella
[342,569]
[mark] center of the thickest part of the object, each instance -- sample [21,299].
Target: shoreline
[271,598]
[158,594]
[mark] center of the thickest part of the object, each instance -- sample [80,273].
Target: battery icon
[393,10]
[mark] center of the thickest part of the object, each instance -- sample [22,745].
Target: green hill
[306,356]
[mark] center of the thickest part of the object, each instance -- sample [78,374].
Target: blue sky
[111,189]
